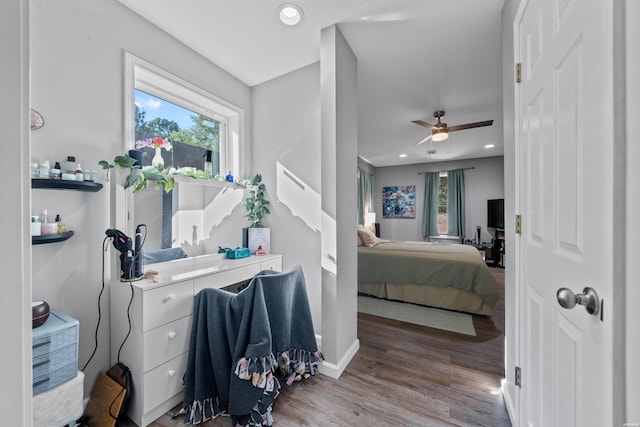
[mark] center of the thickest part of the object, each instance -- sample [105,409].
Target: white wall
[483,182]
[77,84]
[339,141]
[15,317]
[286,152]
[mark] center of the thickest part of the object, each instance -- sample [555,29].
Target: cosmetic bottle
[70,165]
[78,172]
[43,169]
[208,166]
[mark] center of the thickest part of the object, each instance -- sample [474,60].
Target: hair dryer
[122,243]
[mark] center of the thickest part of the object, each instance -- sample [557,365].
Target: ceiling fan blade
[425,124]
[470,125]
[424,140]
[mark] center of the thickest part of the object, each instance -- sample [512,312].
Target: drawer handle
[44,362]
[170,298]
[172,372]
[172,335]
[40,382]
[40,344]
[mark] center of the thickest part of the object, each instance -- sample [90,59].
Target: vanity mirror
[197,216]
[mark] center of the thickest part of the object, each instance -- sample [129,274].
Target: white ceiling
[414,57]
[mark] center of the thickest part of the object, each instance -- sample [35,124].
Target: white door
[564,112]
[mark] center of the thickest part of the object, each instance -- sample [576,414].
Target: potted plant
[257,237]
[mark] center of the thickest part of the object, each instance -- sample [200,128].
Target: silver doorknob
[588,298]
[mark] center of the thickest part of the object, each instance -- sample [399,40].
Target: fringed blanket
[240,344]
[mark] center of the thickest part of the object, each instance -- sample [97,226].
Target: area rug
[452,321]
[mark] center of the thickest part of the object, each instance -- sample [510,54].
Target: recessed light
[290,14]
[403,155]
[489,146]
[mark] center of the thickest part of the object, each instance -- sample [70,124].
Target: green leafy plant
[140,177]
[256,203]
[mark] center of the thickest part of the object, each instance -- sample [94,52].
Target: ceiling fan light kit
[440,131]
[439,135]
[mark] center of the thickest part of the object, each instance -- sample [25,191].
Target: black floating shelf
[61,184]
[51,238]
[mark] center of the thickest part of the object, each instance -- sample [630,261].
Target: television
[495,213]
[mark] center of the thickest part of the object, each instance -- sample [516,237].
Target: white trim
[333,370]
[509,401]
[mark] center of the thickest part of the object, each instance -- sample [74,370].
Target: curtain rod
[446,170]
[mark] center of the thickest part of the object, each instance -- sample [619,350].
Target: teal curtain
[455,203]
[365,194]
[430,208]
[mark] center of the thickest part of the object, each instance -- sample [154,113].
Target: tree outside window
[190,134]
[442,205]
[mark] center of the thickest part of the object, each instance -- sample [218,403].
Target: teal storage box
[55,351]
[238,253]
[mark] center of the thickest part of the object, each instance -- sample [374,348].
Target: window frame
[152,79]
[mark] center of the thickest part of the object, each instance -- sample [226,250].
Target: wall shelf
[60,184]
[51,238]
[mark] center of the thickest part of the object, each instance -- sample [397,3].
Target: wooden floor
[403,375]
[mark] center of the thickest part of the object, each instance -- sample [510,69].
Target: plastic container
[36,229]
[49,228]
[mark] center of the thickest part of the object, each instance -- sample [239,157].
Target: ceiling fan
[440,131]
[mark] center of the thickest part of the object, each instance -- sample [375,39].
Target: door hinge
[518,376]
[518,224]
[518,72]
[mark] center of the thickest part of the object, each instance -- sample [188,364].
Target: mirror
[191,216]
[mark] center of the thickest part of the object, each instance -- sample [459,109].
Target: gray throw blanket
[241,342]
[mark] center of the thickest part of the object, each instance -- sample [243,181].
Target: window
[188,118]
[443,224]
[186,135]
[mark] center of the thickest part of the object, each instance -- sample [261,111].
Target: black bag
[121,374]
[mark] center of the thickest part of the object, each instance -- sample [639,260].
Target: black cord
[135,259]
[129,319]
[95,348]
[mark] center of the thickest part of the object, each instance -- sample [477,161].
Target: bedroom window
[443,192]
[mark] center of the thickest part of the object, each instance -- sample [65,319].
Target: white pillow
[368,237]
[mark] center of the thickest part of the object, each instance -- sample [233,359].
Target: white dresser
[161,315]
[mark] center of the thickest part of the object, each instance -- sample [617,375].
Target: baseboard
[509,401]
[335,370]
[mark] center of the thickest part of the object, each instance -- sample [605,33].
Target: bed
[443,275]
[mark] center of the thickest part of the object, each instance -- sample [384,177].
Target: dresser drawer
[225,278]
[55,360]
[57,332]
[166,304]
[163,382]
[166,342]
[274,264]
[49,380]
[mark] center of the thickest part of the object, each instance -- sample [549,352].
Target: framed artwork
[399,201]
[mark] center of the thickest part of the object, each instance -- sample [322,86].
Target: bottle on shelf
[78,172]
